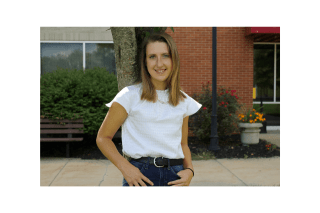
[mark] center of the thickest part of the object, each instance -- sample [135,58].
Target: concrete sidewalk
[220,172]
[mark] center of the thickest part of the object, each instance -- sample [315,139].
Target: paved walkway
[220,172]
[272,136]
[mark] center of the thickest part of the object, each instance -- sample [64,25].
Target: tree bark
[125,47]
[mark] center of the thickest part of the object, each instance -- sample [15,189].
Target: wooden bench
[70,127]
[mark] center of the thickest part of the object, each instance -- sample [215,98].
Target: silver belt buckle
[154,162]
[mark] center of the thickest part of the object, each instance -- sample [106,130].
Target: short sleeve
[124,98]
[192,106]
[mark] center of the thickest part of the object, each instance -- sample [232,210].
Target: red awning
[251,30]
[264,34]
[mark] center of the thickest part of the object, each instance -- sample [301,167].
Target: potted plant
[250,123]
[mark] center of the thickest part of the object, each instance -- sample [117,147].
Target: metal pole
[214,139]
[84,56]
[275,73]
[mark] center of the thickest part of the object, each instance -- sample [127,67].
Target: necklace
[162,93]
[162,101]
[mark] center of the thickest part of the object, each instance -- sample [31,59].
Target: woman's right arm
[112,122]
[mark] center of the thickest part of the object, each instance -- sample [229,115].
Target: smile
[160,71]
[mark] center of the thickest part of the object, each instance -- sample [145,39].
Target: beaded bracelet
[191,170]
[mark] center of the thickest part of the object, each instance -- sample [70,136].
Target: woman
[154,116]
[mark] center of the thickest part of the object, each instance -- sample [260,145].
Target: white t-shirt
[153,129]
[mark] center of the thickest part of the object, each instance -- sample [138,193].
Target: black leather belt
[160,161]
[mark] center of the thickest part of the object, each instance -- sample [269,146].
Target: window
[71,55]
[100,55]
[267,73]
[278,74]
[64,55]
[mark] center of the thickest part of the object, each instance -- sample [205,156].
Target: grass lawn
[269,109]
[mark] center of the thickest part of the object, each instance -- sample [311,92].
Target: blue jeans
[160,176]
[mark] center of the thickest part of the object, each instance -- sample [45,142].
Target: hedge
[72,94]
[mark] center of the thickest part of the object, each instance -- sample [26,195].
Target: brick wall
[195,51]
[234,59]
[235,62]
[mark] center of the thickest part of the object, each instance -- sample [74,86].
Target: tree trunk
[125,48]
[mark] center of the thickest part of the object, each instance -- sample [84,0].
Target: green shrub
[71,94]
[227,106]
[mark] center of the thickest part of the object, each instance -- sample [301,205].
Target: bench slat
[49,126]
[60,131]
[46,120]
[59,126]
[60,139]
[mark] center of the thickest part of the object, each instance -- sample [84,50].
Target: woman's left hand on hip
[186,176]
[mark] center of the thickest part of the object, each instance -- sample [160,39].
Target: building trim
[76,42]
[266,42]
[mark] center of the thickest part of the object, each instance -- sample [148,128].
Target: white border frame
[275,72]
[83,48]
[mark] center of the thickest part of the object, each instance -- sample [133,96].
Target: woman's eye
[165,56]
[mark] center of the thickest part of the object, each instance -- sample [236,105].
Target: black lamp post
[214,139]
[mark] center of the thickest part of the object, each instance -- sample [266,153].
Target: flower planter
[250,133]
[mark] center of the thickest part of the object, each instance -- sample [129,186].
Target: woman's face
[159,63]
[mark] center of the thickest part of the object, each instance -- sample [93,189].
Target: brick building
[235,58]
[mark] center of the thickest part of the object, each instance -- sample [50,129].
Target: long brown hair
[173,80]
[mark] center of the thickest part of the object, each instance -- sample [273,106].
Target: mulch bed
[232,147]
[229,148]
